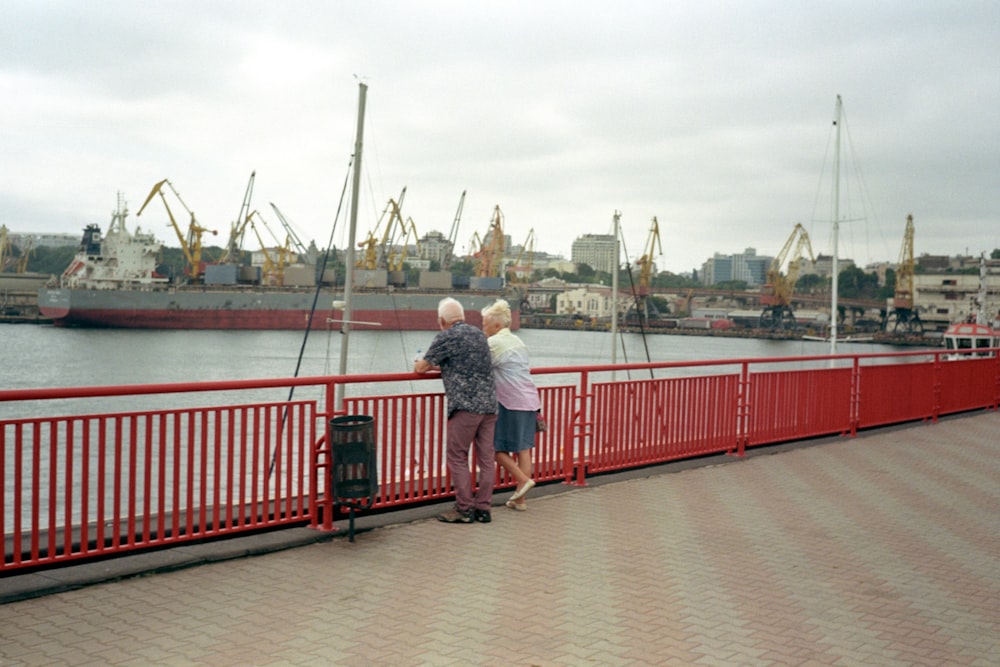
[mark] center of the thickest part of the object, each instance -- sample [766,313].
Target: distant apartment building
[596,251]
[823,266]
[434,247]
[746,266]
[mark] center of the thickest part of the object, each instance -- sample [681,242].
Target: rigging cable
[635,296]
[312,310]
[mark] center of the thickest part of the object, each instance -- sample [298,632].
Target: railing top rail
[11,395]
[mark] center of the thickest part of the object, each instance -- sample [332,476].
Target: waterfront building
[587,301]
[946,296]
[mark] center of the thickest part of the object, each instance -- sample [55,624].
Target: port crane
[293,238]
[397,252]
[453,235]
[515,274]
[776,295]
[274,266]
[904,317]
[652,249]
[489,259]
[191,243]
[375,251]
[234,247]
[7,256]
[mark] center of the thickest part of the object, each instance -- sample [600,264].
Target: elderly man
[461,353]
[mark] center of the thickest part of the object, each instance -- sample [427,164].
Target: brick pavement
[878,550]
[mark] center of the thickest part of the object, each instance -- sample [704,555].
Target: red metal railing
[99,483]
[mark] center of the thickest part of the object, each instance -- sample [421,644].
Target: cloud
[714,117]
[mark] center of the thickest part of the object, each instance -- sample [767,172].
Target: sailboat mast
[345,326]
[614,293]
[836,228]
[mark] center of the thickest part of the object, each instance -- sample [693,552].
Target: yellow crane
[904,317]
[645,263]
[652,249]
[7,256]
[191,243]
[375,251]
[397,253]
[776,295]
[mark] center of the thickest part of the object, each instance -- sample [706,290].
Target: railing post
[996,379]
[320,467]
[581,435]
[743,410]
[854,412]
[936,401]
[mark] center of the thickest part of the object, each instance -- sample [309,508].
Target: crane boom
[235,245]
[646,261]
[490,256]
[453,234]
[191,244]
[300,248]
[776,295]
[904,316]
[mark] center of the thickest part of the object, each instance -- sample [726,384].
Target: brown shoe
[456,516]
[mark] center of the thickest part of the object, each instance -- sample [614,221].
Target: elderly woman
[518,398]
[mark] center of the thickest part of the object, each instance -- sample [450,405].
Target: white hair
[450,310]
[499,312]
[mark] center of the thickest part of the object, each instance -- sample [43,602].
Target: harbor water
[43,356]
[50,357]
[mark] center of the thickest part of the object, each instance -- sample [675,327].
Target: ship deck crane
[375,253]
[190,244]
[274,267]
[397,257]
[300,248]
[904,317]
[234,247]
[776,295]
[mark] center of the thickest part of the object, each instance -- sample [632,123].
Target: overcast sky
[717,118]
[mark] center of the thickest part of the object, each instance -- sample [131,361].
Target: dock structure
[879,549]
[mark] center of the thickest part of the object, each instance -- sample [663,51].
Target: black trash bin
[354,468]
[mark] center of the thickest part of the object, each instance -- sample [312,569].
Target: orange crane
[904,317]
[190,244]
[489,259]
[776,295]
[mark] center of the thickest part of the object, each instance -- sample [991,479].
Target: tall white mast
[345,326]
[836,228]
[614,294]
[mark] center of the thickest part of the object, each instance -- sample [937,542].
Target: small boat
[976,333]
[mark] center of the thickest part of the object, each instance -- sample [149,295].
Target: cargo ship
[112,282]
